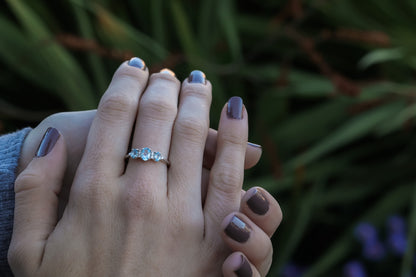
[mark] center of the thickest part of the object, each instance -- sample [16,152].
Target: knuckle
[233,139]
[192,128]
[159,109]
[29,180]
[115,107]
[201,92]
[227,180]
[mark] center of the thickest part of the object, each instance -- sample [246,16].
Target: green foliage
[328,86]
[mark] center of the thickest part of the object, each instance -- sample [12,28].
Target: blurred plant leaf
[354,129]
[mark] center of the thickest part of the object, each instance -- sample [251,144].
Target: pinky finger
[237,265]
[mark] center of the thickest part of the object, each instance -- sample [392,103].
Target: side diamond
[157,156]
[134,153]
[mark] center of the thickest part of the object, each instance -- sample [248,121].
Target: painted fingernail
[137,62]
[197,76]
[235,108]
[49,140]
[238,230]
[168,71]
[245,269]
[258,203]
[254,145]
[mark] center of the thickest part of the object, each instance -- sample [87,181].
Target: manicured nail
[168,71]
[245,269]
[197,76]
[238,230]
[254,145]
[258,203]
[49,140]
[235,107]
[137,62]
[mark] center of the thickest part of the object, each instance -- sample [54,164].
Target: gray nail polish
[258,203]
[197,76]
[254,145]
[238,230]
[167,71]
[235,108]
[245,269]
[49,140]
[137,62]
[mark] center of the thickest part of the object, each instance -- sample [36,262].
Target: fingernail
[137,62]
[235,108]
[254,145]
[49,140]
[168,71]
[245,269]
[238,230]
[197,76]
[258,203]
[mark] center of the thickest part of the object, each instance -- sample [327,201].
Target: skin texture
[159,217]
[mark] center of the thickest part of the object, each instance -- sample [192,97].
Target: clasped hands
[137,218]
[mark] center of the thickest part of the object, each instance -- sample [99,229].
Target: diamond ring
[146,154]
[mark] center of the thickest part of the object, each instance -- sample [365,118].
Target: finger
[36,203]
[110,131]
[227,173]
[157,112]
[253,152]
[261,207]
[237,265]
[188,139]
[241,234]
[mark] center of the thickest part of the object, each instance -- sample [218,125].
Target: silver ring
[146,154]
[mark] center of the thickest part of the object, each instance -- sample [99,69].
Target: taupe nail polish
[235,108]
[258,203]
[49,140]
[245,269]
[238,230]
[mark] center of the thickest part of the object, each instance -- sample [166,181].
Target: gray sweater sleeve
[10,147]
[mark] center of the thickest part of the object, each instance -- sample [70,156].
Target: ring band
[146,154]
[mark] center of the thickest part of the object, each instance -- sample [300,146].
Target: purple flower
[365,232]
[397,243]
[374,250]
[354,269]
[396,224]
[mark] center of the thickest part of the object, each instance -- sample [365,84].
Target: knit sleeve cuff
[10,148]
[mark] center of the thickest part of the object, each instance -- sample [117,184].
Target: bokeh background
[329,86]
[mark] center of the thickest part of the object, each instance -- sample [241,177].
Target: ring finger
[156,115]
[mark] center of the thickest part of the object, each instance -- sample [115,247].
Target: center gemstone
[145,154]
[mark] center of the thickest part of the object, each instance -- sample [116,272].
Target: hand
[93,164]
[74,126]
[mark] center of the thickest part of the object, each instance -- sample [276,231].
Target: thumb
[36,205]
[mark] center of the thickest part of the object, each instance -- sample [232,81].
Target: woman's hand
[143,219]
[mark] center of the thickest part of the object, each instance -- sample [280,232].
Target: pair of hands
[144,219]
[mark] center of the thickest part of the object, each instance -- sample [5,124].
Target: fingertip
[237,265]
[253,155]
[262,208]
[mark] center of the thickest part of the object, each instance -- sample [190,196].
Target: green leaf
[380,56]
[354,129]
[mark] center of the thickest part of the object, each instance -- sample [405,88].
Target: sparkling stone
[157,156]
[135,153]
[146,154]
